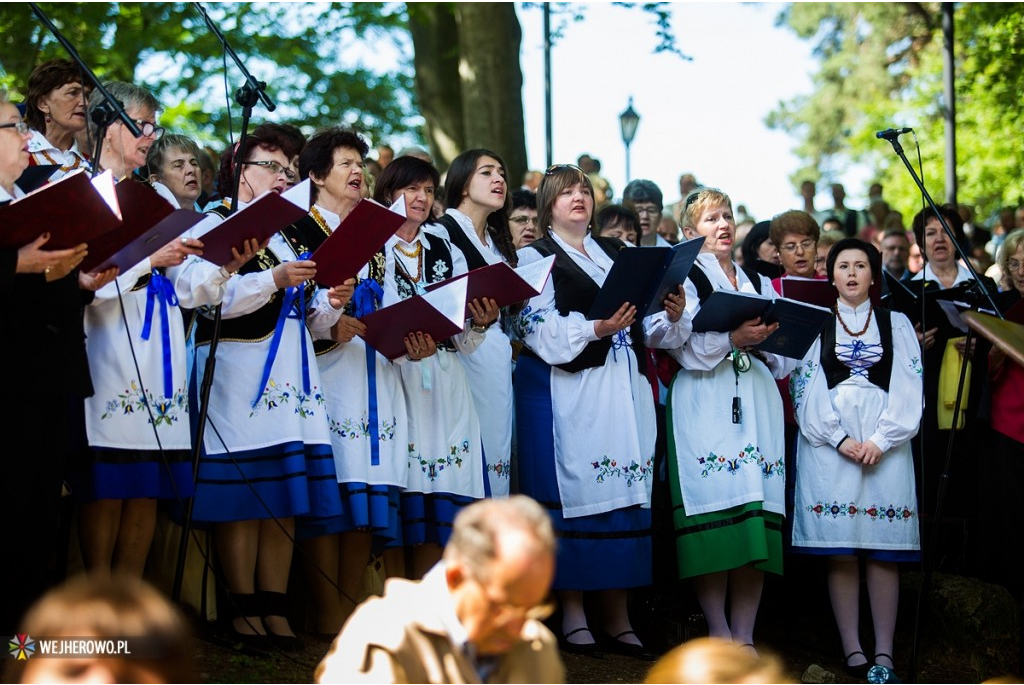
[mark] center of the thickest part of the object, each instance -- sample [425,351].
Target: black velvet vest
[703,285]
[458,238]
[575,291]
[836,371]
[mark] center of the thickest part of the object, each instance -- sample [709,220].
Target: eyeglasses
[522,220]
[20,126]
[274,167]
[563,167]
[1013,265]
[148,128]
[653,210]
[502,611]
[804,245]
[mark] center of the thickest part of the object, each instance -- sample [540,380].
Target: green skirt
[722,540]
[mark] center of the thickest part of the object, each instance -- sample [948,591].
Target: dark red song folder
[72,210]
[364,231]
[440,313]
[148,223]
[502,283]
[265,216]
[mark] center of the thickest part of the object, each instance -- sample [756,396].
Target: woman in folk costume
[476,221]
[726,451]
[364,399]
[445,460]
[267,450]
[857,396]
[581,455]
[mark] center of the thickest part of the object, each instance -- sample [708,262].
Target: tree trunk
[469,83]
[438,90]
[490,38]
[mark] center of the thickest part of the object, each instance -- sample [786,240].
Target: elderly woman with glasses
[726,451]
[41,309]
[55,108]
[593,467]
[267,454]
[137,422]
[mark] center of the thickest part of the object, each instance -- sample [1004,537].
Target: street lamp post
[628,121]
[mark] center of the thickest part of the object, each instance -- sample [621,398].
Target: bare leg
[273,563]
[237,546]
[884,595]
[844,591]
[711,590]
[355,556]
[321,563]
[574,618]
[135,536]
[394,562]
[98,523]
[745,584]
[615,610]
[423,559]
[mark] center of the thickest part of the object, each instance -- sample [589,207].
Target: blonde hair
[713,660]
[700,200]
[1011,243]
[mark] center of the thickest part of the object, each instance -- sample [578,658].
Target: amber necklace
[319,219]
[871,309]
[416,254]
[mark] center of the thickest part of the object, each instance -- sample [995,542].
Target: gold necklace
[416,254]
[319,219]
[871,309]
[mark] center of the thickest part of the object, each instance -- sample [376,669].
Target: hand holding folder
[73,210]
[262,218]
[643,277]
[799,324]
[503,284]
[439,313]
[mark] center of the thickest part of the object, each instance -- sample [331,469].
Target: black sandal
[860,671]
[586,648]
[614,644]
[245,606]
[276,604]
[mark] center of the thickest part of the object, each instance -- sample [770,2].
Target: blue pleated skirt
[280,481]
[428,517]
[370,508]
[133,474]
[597,552]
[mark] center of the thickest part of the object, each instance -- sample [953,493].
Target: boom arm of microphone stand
[949,232]
[114,109]
[251,84]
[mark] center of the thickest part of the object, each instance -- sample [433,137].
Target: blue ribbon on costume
[620,341]
[366,298]
[160,289]
[293,307]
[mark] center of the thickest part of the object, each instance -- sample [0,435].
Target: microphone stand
[251,92]
[105,113]
[979,286]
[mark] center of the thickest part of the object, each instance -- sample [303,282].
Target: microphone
[892,133]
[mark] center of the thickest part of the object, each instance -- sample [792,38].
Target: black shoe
[860,671]
[586,649]
[276,604]
[616,646]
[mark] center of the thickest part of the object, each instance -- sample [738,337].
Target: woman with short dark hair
[445,456]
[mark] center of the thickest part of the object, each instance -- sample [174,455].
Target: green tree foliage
[303,51]
[880,65]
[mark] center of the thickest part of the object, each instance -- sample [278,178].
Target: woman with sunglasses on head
[364,399]
[267,454]
[445,459]
[136,423]
[476,194]
[55,108]
[857,395]
[590,461]
[726,452]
